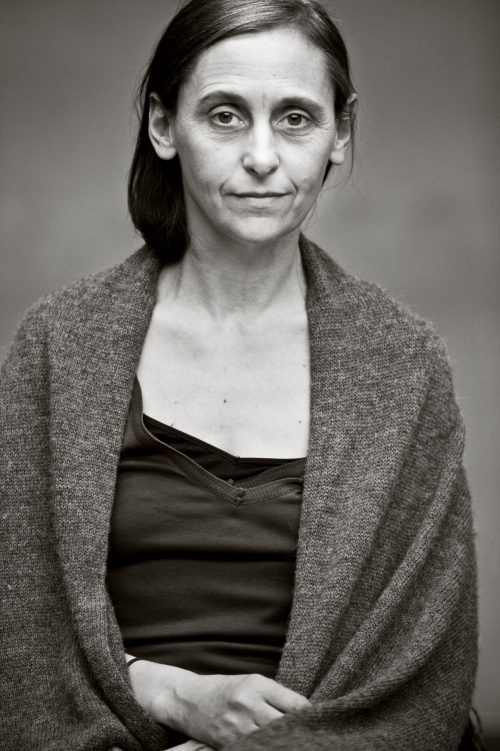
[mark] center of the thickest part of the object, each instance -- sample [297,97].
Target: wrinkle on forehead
[280,59]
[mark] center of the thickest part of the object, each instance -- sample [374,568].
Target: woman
[235,512]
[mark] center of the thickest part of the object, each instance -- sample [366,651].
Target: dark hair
[155,196]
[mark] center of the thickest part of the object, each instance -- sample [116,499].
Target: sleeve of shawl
[403,678]
[48,697]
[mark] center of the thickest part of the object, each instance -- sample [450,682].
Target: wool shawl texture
[382,631]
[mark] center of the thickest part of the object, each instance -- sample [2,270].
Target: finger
[284,699]
[191,746]
[267,714]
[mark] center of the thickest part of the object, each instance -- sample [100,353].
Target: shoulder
[92,294]
[380,352]
[139,269]
[372,320]
[86,308]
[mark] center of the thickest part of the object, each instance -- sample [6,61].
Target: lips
[255,194]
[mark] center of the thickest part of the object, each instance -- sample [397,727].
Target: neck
[237,281]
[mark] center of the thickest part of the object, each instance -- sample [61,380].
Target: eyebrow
[231,96]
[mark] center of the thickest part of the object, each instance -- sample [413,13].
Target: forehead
[276,61]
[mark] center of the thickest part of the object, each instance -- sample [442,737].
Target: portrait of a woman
[234,513]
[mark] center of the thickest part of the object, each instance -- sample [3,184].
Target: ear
[343,134]
[160,128]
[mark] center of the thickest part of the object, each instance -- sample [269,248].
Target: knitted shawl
[382,630]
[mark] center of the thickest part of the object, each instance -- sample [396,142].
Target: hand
[217,709]
[188,746]
[191,746]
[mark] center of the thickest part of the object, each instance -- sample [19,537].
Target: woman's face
[254,128]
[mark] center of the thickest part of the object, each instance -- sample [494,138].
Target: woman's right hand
[214,709]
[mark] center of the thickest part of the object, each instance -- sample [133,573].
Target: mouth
[259,194]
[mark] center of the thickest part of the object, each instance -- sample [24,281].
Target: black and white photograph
[250,371]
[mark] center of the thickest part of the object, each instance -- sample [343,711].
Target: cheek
[206,165]
[309,167]
[197,157]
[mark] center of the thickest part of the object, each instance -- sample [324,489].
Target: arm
[399,669]
[48,695]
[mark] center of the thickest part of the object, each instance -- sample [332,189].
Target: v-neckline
[267,485]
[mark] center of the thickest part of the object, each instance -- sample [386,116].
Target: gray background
[419,215]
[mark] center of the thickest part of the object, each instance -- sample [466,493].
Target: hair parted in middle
[155,194]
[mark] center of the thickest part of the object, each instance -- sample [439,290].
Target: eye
[226,119]
[296,122]
[296,119]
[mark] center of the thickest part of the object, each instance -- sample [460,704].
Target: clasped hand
[212,709]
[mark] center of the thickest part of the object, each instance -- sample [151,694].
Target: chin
[259,231]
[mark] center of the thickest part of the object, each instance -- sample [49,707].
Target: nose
[260,156]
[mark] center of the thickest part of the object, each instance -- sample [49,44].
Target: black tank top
[202,550]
